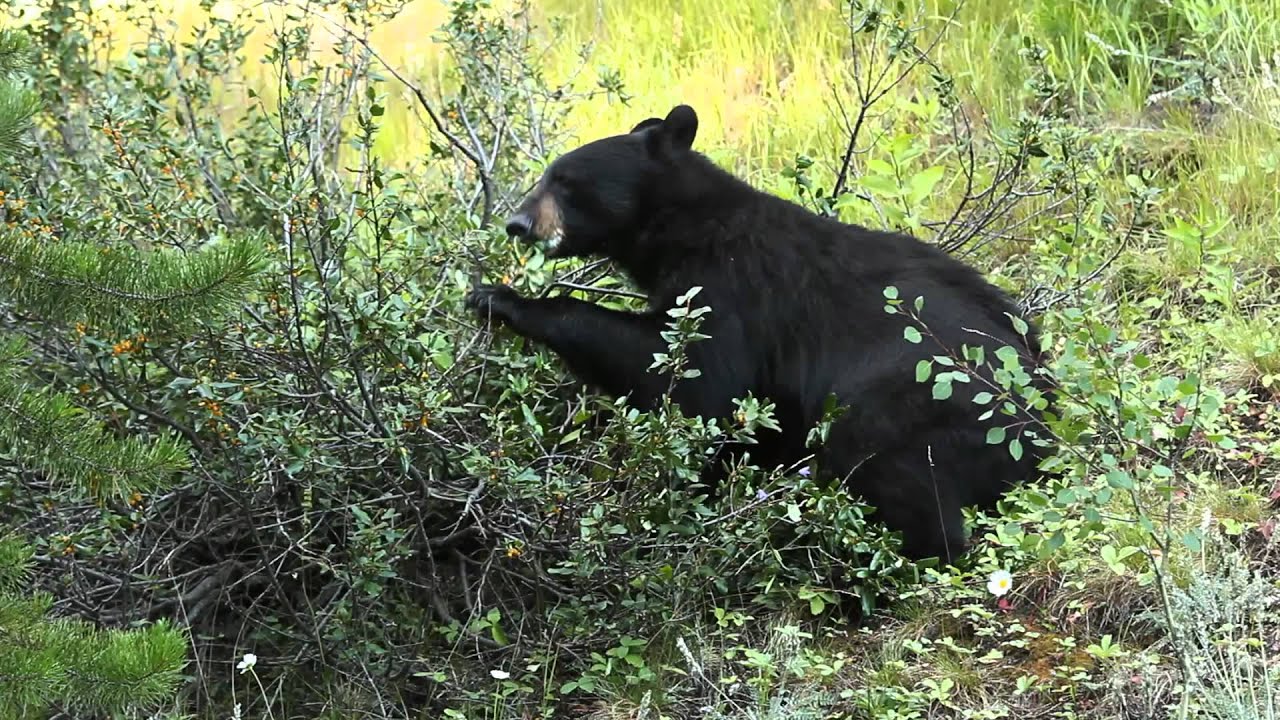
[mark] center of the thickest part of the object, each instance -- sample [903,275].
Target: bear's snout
[519,225]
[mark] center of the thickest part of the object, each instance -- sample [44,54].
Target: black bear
[797,314]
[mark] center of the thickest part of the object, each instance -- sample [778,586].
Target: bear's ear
[674,133]
[680,127]
[645,124]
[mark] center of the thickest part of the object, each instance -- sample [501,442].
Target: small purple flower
[762,495]
[804,471]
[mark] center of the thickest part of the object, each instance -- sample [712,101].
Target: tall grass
[761,72]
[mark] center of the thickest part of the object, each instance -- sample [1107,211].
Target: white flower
[999,583]
[499,674]
[247,663]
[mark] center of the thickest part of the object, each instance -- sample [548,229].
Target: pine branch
[26,676]
[15,52]
[15,564]
[70,664]
[17,106]
[109,670]
[116,288]
[121,288]
[48,433]
[63,663]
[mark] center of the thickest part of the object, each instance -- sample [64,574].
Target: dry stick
[875,91]
[486,183]
[187,432]
[471,154]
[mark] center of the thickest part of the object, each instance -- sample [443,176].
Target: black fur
[797,313]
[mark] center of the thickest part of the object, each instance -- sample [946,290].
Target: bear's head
[598,195]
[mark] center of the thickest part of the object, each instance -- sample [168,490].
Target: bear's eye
[562,179]
[568,185]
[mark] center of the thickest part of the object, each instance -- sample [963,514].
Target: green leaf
[923,182]
[685,298]
[1008,356]
[1120,480]
[924,369]
[816,605]
[995,435]
[942,390]
[976,355]
[848,200]
[878,185]
[361,515]
[912,334]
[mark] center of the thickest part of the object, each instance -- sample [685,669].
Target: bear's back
[801,297]
[777,261]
